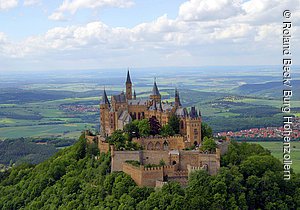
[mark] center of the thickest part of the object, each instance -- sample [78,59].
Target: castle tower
[134,95]
[104,113]
[128,87]
[177,98]
[193,127]
[155,93]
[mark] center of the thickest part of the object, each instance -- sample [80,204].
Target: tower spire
[134,95]
[128,86]
[177,98]
[104,98]
[128,80]
[155,90]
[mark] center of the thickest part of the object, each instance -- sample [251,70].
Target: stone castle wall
[118,158]
[162,143]
[133,171]
[103,146]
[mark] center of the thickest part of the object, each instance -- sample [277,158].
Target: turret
[128,87]
[177,98]
[155,93]
[134,95]
[193,127]
[104,113]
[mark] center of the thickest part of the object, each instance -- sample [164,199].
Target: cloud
[204,10]
[8,4]
[31,2]
[243,34]
[74,5]
[57,16]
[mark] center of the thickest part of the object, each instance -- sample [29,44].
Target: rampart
[162,143]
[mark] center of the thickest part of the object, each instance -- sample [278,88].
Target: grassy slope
[277,151]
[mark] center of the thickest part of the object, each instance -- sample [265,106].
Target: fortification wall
[103,146]
[119,157]
[197,159]
[150,175]
[188,157]
[89,139]
[161,143]
[154,157]
[134,172]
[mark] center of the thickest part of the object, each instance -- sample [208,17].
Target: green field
[32,106]
[277,151]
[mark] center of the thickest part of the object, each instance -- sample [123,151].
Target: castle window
[195,131]
[150,146]
[174,162]
[157,146]
[166,145]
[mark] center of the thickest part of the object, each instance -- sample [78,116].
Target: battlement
[161,143]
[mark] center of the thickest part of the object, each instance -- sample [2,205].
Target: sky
[96,34]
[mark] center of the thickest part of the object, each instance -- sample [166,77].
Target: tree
[144,128]
[167,130]
[132,129]
[154,126]
[209,144]
[174,122]
[117,139]
[206,131]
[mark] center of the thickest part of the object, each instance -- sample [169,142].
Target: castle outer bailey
[144,166]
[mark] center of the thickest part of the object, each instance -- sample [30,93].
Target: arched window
[150,146]
[157,146]
[166,145]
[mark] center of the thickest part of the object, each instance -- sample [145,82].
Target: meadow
[31,105]
[276,149]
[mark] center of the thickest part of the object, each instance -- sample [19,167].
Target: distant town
[263,133]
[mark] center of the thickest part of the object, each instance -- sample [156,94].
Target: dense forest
[79,178]
[30,150]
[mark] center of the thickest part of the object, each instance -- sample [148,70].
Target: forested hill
[74,179]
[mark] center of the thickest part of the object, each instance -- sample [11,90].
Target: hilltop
[79,178]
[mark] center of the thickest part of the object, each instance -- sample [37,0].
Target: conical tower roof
[104,98]
[128,80]
[155,90]
[177,98]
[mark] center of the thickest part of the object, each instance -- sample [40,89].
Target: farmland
[63,104]
[276,149]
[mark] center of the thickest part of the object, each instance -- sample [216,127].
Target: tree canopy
[250,178]
[209,144]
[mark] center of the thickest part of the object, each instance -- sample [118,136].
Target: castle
[126,107]
[144,166]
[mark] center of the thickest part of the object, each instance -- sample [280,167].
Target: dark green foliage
[74,179]
[138,128]
[144,128]
[133,162]
[21,150]
[206,131]
[167,130]
[208,144]
[132,129]
[240,151]
[122,141]
[174,122]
